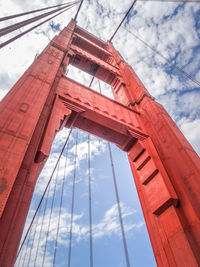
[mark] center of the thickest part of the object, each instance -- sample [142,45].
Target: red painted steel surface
[170,196]
[165,167]
[24,117]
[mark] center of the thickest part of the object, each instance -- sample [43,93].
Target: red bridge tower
[165,168]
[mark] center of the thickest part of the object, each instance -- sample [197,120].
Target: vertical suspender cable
[47,186]
[100,91]
[118,201]
[20,257]
[52,204]
[33,240]
[72,206]
[60,206]
[90,204]
[119,208]
[41,228]
[27,245]
[91,82]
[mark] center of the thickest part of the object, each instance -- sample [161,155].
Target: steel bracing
[165,167]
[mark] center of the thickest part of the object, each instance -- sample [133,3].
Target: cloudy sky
[174,30]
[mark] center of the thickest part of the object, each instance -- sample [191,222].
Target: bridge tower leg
[165,168]
[166,171]
[24,118]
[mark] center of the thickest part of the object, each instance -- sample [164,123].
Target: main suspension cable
[72,204]
[30,12]
[75,18]
[21,24]
[30,29]
[122,20]
[119,208]
[166,59]
[47,186]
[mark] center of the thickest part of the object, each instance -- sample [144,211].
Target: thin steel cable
[99,87]
[21,24]
[119,208]
[182,1]
[27,246]
[37,10]
[90,196]
[61,152]
[30,29]
[41,228]
[33,240]
[29,12]
[75,18]
[122,20]
[60,205]
[91,82]
[166,59]
[20,257]
[72,206]
[90,203]
[51,210]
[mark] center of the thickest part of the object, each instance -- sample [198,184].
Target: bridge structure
[165,168]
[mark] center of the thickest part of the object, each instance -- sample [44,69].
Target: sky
[174,30]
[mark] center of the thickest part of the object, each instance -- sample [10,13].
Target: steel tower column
[170,198]
[165,167]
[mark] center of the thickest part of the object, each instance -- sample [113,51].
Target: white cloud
[169,27]
[109,225]
[192,130]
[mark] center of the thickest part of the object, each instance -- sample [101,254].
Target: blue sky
[174,29]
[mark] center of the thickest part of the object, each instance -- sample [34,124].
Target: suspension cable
[122,20]
[20,257]
[21,24]
[119,208]
[36,211]
[117,198]
[90,204]
[72,204]
[90,195]
[42,223]
[34,235]
[28,241]
[75,18]
[51,210]
[182,1]
[30,12]
[30,29]
[166,59]
[91,82]
[27,246]
[99,87]
[60,205]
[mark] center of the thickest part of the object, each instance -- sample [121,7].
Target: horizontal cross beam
[100,115]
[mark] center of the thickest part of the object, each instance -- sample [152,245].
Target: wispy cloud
[107,227]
